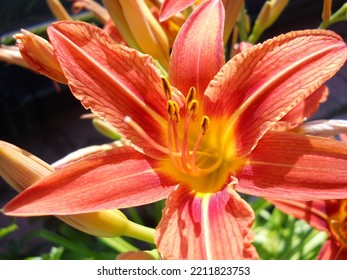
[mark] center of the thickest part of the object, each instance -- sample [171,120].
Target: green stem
[339,15]
[118,244]
[140,232]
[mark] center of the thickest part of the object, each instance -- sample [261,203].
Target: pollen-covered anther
[173,111]
[191,95]
[166,88]
[193,107]
[205,123]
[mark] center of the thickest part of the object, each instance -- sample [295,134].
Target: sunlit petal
[261,85]
[193,222]
[296,167]
[112,80]
[171,7]
[116,178]
[191,62]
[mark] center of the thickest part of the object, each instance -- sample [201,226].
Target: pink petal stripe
[117,178]
[171,7]
[113,80]
[205,226]
[259,86]
[198,52]
[295,167]
[313,212]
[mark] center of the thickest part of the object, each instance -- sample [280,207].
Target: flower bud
[38,53]
[140,28]
[269,13]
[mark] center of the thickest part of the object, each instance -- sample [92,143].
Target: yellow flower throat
[200,153]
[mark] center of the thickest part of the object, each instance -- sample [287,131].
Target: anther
[205,122]
[166,88]
[173,111]
[193,107]
[191,95]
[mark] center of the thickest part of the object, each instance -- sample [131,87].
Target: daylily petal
[324,128]
[116,178]
[111,79]
[313,212]
[192,223]
[191,62]
[259,86]
[295,167]
[306,108]
[169,8]
[332,250]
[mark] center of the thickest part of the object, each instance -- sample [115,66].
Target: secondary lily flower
[325,215]
[199,139]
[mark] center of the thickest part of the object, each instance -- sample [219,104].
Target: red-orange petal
[171,7]
[112,80]
[306,108]
[205,226]
[198,53]
[259,86]
[295,167]
[117,178]
[332,250]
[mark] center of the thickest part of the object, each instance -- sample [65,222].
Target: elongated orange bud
[38,53]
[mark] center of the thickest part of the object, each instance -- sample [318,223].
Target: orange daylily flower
[325,215]
[199,138]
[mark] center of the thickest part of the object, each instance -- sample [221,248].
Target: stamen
[166,88]
[173,111]
[204,126]
[191,95]
[173,119]
[185,150]
[144,135]
[193,107]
